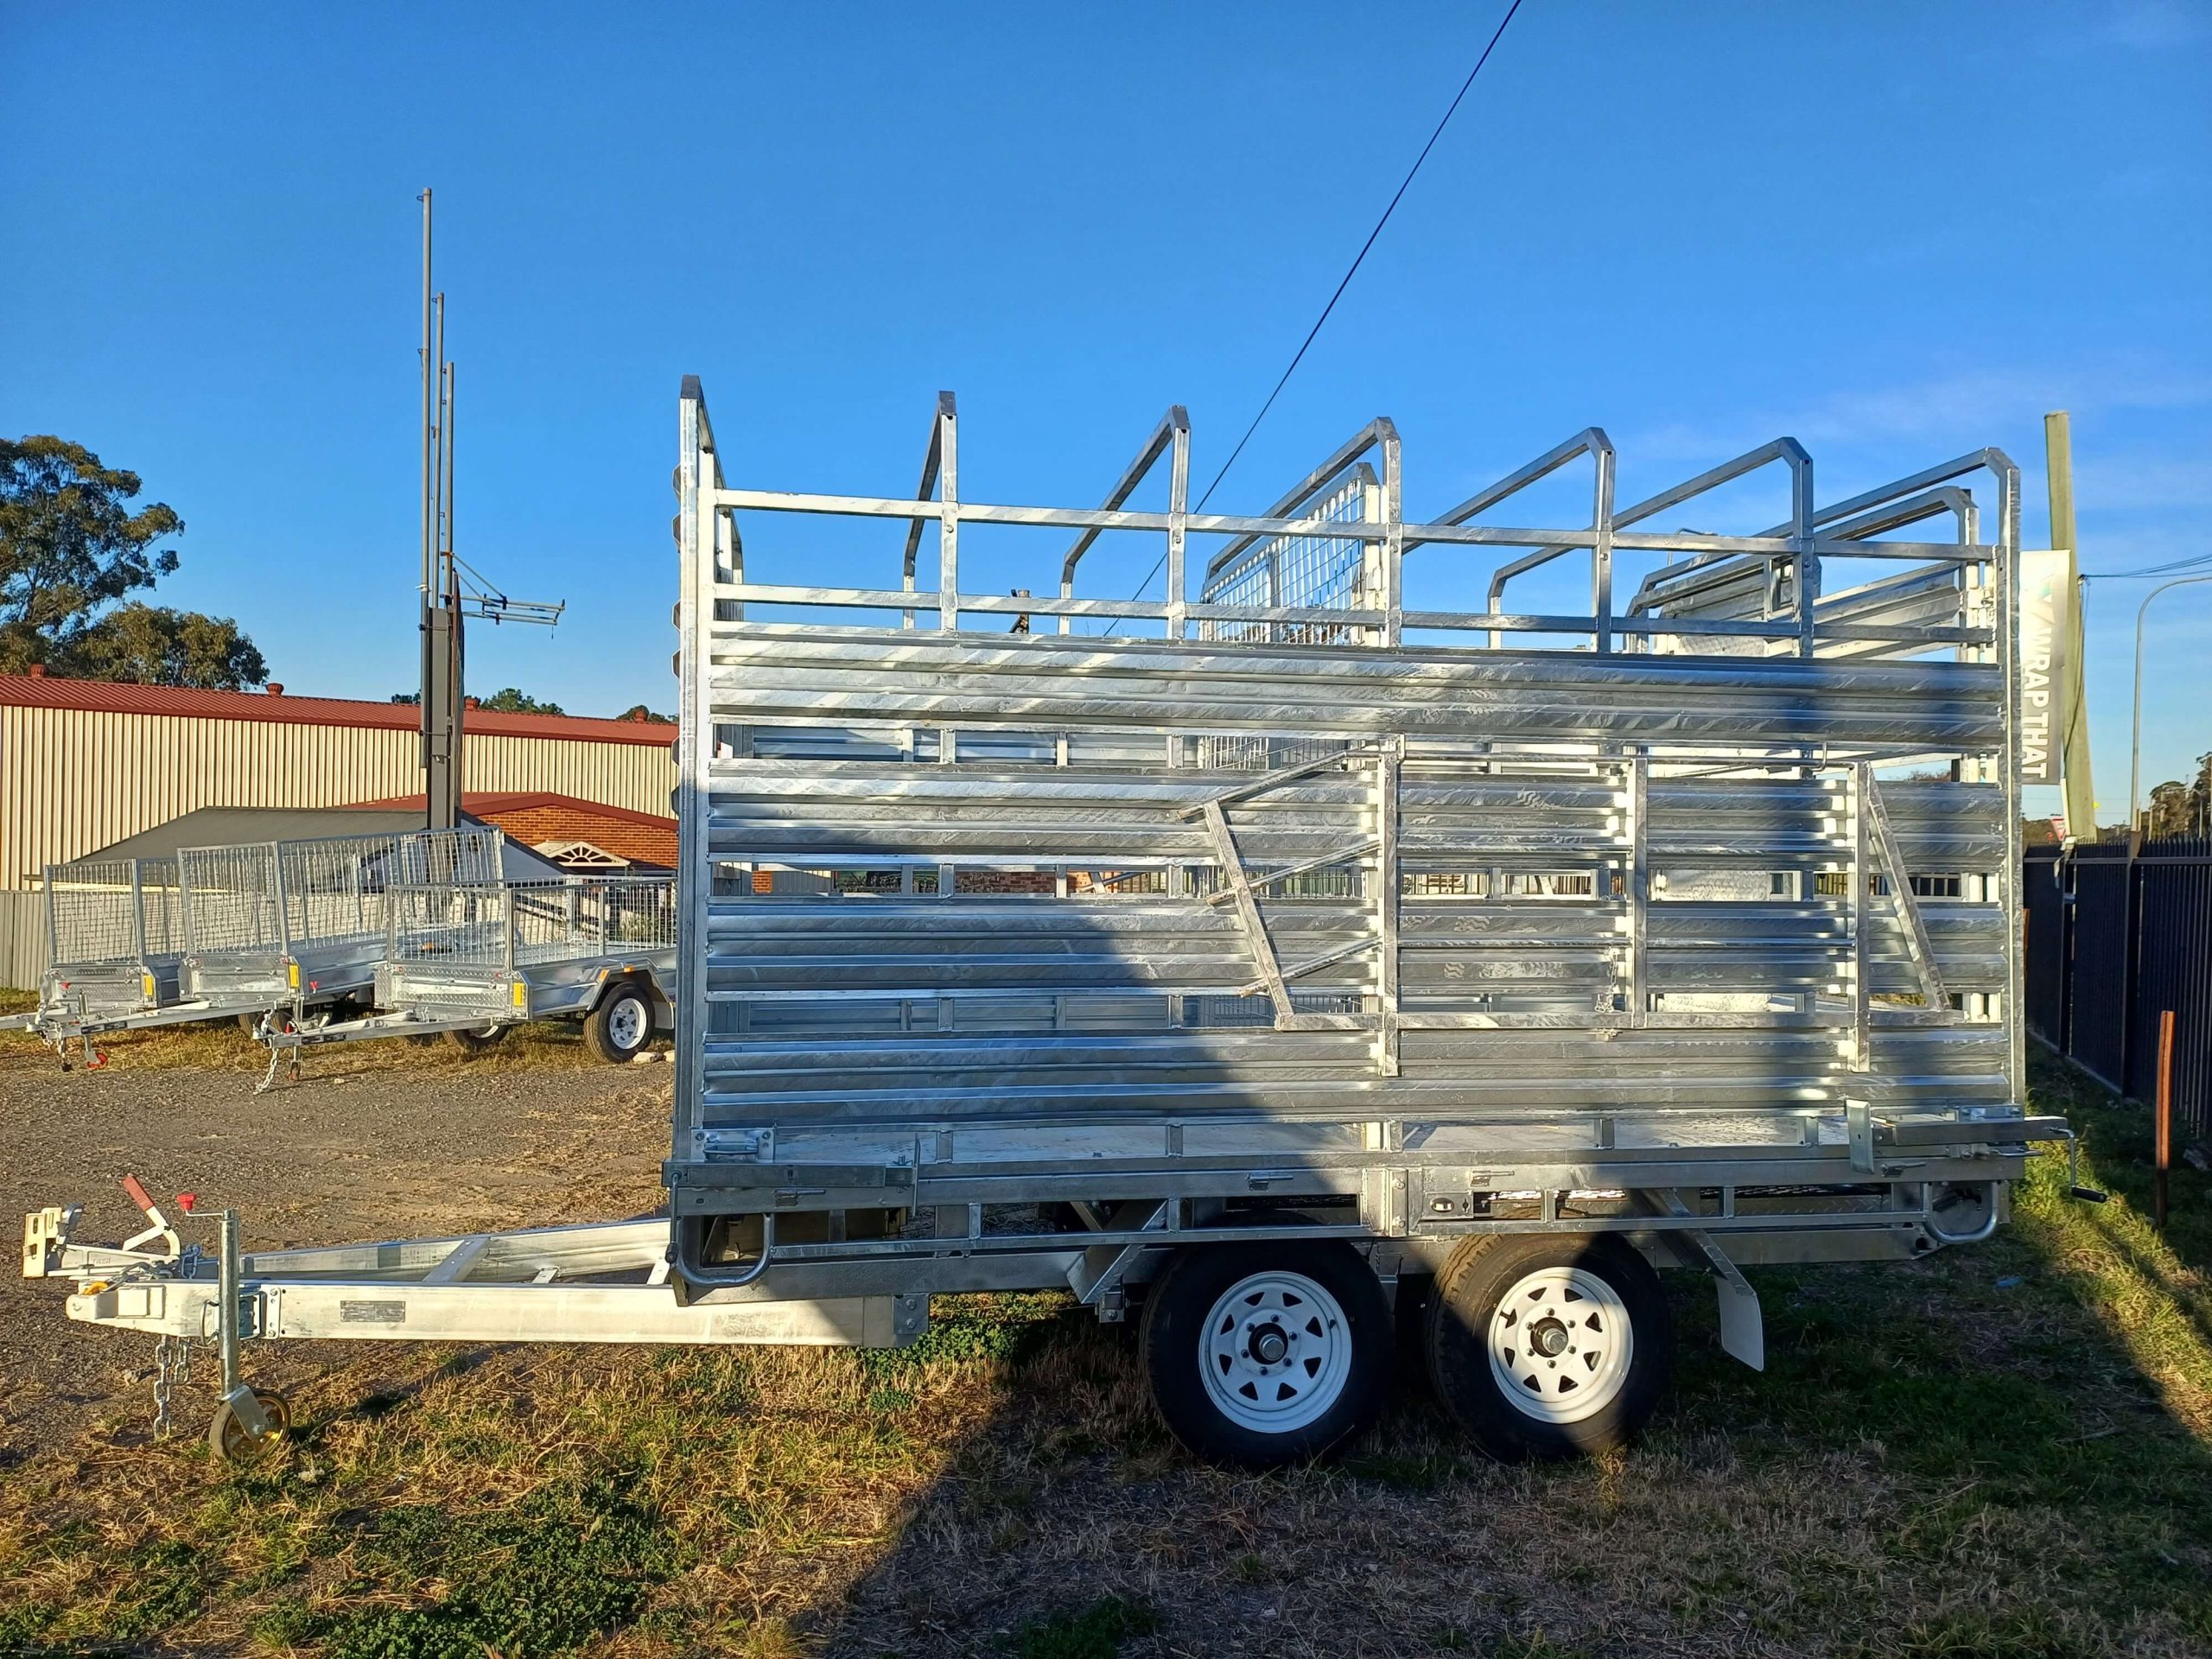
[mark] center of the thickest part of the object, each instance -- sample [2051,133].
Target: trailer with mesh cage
[276,933]
[115,941]
[1312,954]
[471,960]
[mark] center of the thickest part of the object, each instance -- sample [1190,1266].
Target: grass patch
[536,1581]
[1096,1632]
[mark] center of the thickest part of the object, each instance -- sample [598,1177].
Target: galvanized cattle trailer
[1318,953]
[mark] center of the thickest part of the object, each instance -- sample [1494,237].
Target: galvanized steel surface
[1743,852]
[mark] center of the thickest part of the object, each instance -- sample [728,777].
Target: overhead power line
[1350,271]
[2194,561]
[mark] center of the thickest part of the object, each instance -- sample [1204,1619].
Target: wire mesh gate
[505,925]
[286,896]
[112,910]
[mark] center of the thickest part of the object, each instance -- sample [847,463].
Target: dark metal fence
[2116,937]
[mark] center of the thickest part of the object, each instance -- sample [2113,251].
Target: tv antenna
[453,590]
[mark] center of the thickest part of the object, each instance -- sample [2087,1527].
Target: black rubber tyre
[476,1041]
[621,1027]
[1190,1323]
[1533,1267]
[249,1023]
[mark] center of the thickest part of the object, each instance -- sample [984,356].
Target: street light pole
[2135,739]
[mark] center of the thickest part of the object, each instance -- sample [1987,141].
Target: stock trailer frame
[1295,966]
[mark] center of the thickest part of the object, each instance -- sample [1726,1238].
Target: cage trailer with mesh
[473,961]
[273,934]
[1278,965]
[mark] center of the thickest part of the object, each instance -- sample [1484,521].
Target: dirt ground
[345,1152]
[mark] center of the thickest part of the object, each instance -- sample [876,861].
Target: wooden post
[2162,1121]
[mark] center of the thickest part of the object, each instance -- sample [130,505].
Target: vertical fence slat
[2114,942]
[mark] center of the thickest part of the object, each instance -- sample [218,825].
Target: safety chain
[172,1370]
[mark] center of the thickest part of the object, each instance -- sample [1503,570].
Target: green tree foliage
[509,700]
[2183,809]
[639,711]
[152,644]
[71,551]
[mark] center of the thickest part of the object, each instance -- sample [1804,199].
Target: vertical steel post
[1393,540]
[138,910]
[2163,1124]
[428,370]
[1601,549]
[1861,903]
[1639,885]
[698,476]
[226,1289]
[948,545]
[2008,655]
[1179,501]
[1802,523]
[1389,768]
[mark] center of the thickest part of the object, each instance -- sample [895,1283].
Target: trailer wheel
[476,1041]
[620,1026]
[227,1437]
[1546,1347]
[1265,1354]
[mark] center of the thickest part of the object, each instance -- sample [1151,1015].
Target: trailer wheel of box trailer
[618,1028]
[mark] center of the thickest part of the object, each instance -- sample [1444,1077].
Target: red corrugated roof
[544,818]
[481,804]
[47,691]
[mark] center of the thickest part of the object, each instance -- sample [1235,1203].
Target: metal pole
[2135,737]
[227,1324]
[2162,1121]
[429,370]
[2070,745]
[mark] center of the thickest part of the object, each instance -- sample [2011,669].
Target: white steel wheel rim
[626,1023]
[1559,1344]
[1275,1352]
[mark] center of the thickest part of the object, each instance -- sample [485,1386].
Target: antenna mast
[446,601]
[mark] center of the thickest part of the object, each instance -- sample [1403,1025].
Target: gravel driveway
[394,1152]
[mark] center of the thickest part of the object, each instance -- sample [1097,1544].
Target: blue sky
[1895,231]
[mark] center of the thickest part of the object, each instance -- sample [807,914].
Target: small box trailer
[1273,965]
[472,960]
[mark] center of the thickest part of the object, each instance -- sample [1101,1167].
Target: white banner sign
[2047,676]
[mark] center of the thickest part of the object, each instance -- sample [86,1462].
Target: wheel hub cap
[1275,1352]
[1559,1344]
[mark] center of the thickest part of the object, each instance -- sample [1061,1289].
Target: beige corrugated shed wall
[74,780]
